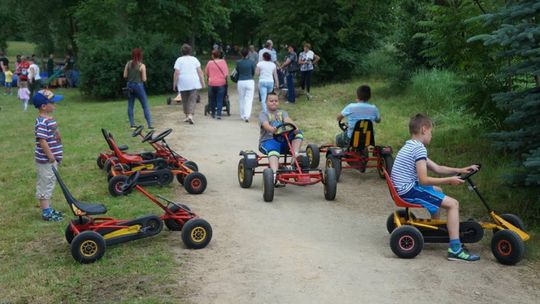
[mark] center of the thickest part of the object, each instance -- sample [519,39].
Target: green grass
[36,264]
[18,48]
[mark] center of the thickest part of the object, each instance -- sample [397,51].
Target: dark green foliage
[517,38]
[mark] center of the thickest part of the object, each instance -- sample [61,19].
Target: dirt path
[304,249]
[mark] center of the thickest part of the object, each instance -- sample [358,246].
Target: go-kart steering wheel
[283,130]
[137,131]
[343,126]
[161,136]
[148,136]
[471,173]
[130,182]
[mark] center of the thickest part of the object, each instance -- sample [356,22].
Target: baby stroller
[226,103]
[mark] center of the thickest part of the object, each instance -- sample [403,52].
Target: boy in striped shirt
[409,176]
[48,152]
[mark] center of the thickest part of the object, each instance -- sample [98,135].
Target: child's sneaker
[462,255]
[58,213]
[52,217]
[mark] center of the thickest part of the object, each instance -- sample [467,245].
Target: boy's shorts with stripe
[426,196]
[274,147]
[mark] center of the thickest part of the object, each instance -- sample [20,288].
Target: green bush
[383,64]
[438,88]
[102,64]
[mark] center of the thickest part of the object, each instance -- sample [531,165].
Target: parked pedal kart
[362,153]
[90,236]
[293,169]
[177,99]
[409,233]
[186,171]
[154,171]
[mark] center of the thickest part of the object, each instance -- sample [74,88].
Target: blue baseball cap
[43,97]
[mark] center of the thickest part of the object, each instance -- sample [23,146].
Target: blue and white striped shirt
[46,128]
[404,175]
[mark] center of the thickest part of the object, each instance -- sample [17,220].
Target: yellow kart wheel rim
[329,164]
[198,234]
[241,172]
[88,248]
[309,154]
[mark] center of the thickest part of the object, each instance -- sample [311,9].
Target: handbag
[234,76]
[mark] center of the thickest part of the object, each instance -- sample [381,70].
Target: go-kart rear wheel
[196,233]
[507,247]
[165,177]
[69,233]
[406,241]
[514,220]
[88,247]
[470,232]
[390,225]
[192,165]
[334,162]
[268,185]
[387,162]
[314,156]
[115,185]
[109,163]
[189,164]
[245,175]
[100,162]
[152,225]
[330,184]
[173,224]
[195,183]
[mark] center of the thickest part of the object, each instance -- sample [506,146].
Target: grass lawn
[36,264]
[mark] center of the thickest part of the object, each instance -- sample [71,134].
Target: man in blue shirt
[358,110]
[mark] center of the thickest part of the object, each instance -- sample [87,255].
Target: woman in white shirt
[188,79]
[268,80]
[34,78]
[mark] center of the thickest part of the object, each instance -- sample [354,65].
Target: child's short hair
[270,93]
[418,121]
[363,92]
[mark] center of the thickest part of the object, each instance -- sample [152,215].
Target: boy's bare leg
[274,163]
[296,143]
[452,206]
[44,204]
[437,215]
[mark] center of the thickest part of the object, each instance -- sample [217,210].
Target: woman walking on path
[217,72]
[246,85]
[268,79]
[135,74]
[188,79]
[307,59]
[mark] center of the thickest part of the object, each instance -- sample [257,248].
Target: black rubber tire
[206,109]
[100,162]
[115,184]
[169,100]
[195,183]
[470,232]
[245,176]
[514,220]
[268,185]
[387,163]
[88,247]
[303,162]
[107,164]
[181,177]
[314,156]
[334,162]
[196,233]
[166,177]
[330,184]
[172,224]
[390,225]
[69,233]
[507,247]
[228,107]
[406,242]
[153,225]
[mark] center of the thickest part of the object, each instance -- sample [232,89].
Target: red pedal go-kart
[362,153]
[297,171]
[90,236]
[409,233]
[156,170]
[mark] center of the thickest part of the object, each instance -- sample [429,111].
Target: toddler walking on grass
[23,93]
[48,152]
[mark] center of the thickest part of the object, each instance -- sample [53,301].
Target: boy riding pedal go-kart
[280,141]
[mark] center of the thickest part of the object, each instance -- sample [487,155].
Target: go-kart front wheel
[330,184]
[195,183]
[100,162]
[196,233]
[314,156]
[406,241]
[507,247]
[268,185]
[88,247]
[107,165]
[245,175]
[116,184]
[189,164]
[334,162]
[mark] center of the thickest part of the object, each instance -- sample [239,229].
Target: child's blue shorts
[426,196]
[272,145]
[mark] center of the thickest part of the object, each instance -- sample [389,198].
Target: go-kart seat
[78,208]
[108,137]
[395,197]
[362,135]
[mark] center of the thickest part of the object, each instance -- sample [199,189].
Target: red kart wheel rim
[196,183]
[406,242]
[118,187]
[504,247]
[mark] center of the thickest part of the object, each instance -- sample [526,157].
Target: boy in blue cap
[48,152]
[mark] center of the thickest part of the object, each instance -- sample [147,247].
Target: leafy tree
[517,36]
